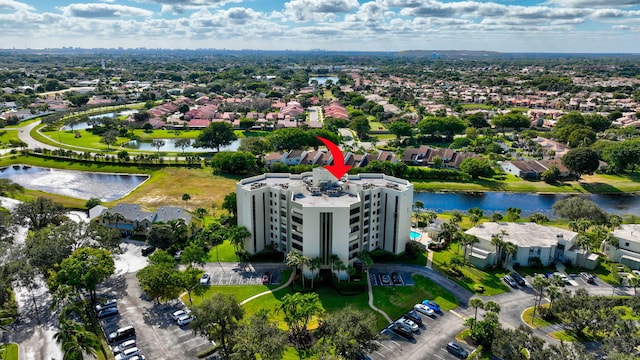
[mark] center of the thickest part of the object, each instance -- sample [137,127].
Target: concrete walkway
[269,291]
[371,300]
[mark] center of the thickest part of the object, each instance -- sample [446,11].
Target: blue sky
[592,26]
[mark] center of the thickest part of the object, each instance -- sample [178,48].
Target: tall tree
[298,310]
[160,281]
[76,341]
[110,137]
[257,336]
[186,197]
[230,204]
[476,303]
[216,318]
[576,208]
[190,279]
[85,269]
[350,332]
[581,161]
[39,213]
[216,135]
[238,236]
[158,144]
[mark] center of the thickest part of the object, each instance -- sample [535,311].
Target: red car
[266,278]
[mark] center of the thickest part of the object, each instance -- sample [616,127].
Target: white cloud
[14,5]
[594,3]
[102,10]
[303,10]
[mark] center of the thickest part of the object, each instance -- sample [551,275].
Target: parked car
[266,278]
[457,350]
[509,280]
[413,317]
[177,255]
[148,250]
[121,334]
[362,356]
[432,305]
[408,324]
[136,357]
[518,278]
[563,277]
[128,354]
[180,313]
[402,331]
[185,320]
[589,278]
[424,309]
[396,278]
[108,312]
[636,272]
[204,280]
[107,304]
[385,279]
[123,346]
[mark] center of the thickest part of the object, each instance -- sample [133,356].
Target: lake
[77,184]
[85,125]
[529,203]
[323,79]
[170,146]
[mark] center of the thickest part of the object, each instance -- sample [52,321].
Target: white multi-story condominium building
[319,216]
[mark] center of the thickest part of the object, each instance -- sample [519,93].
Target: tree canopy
[581,161]
[39,213]
[575,208]
[217,134]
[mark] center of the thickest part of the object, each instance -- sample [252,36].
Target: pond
[529,203]
[170,146]
[323,79]
[85,125]
[77,184]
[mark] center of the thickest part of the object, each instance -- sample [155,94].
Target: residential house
[535,244]
[627,251]
[426,155]
[133,219]
[533,169]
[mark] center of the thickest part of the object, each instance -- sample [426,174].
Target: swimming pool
[414,235]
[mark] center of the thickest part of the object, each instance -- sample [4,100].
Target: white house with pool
[317,215]
[536,244]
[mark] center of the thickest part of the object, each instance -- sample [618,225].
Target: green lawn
[377,126]
[224,252]
[7,136]
[563,335]
[471,277]
[538,322]
[397,300]
[477,107]
[9,351]
[241,292]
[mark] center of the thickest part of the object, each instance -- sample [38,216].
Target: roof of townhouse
[525,234]
[168,213]
[131,212]
[628,232]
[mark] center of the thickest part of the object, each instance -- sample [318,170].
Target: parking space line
[438,356]
[379,353]
[384,346]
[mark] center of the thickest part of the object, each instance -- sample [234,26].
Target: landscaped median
[481,282]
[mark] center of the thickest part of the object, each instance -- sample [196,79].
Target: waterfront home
[535,245]
[626,247]
[130,219]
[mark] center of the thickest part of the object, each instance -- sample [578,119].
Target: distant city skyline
[558,26]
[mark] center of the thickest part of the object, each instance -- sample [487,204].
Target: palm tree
[333,259]
[475,303]
[474,219]
[314,264]
[513,213]
[419,205]
[186,198]
[470,241]
[304,261]
[510,249]
[75,340]
[553,292]
[456,218]
[496,216]
[492,306]
[238,235]
[614,221]
[497,240]
[339,266]
[584,243]
[634,282]
[294,260]
[539,218]
[539,282]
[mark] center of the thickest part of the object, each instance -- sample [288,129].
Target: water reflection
[170,146]
[621,204]
[77,184]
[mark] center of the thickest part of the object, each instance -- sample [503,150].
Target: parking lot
[242,273]
[428,342]
[380,278]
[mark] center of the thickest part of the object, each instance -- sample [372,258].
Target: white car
[424,309]
[123,346]
[128,353]
[204,280]
[562,276]
[180,313]
[408,324]
[185,320]
[636,272]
